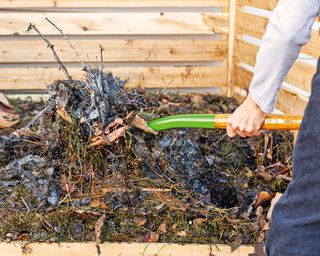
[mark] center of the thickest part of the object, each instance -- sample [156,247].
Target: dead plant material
[141,124]
[263,198]
[86,154]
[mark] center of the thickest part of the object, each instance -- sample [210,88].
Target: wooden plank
[254,25]
[111,3]
[35,50]
[148,77]
[312,48]
[232,33]
[291,103]
[87,23]
[124,249]
[288,102]
[263,4]
[268,5]
[300,75]
[250,24]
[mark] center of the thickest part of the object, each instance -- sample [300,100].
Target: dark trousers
[295,227]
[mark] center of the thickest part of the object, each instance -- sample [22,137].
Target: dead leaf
[259,211]
[163,228]
[254,227]
[265,175]
[139,221]
[8,120]
[153,237]
[4,101]
[160,206]
[115,123]
[263,198]
[174,226]
[182,233]
[61,111]
[198,222]
[98,203]
[141,124]
[66,185]
[112,137]
[8,117]
[266,227]
[273,203]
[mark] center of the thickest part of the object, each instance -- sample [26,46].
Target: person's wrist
[253,104]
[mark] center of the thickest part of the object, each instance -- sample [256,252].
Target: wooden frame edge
[123,249]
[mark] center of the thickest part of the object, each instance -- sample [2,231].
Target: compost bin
[80,175]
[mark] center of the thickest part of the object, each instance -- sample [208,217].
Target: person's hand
[246,120]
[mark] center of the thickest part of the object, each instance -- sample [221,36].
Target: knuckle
[242,128]
[250,129]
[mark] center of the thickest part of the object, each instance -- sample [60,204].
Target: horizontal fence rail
[153,44]
[110,3]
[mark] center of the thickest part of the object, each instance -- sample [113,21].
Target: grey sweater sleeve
[289,28]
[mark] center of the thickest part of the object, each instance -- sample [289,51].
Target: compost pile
[81,170]
[87,168]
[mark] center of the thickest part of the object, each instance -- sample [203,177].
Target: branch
[68,40]
[51,46]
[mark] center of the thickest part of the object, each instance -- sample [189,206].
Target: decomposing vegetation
[86,168]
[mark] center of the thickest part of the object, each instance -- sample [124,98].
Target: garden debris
[87,164]
[273,203]
[145,185]
[8,116]
[141,124]
[153,237]
[98,230]
[262,198]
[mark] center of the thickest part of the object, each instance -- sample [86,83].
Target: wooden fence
[153,43]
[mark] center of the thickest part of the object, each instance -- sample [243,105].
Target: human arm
[289,28]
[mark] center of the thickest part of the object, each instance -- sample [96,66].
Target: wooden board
[300,75]
[250,24]
[88,23]
[111,3]
[123,249]
[254,25]
[288,102]
[148,77]
[268,5]
[263,4]
[312,48]
[35,50]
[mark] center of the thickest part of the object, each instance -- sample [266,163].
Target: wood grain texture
[250,24]
[268,5]
[148,77]
[300,75]
[254,25]
[35,50]
[87,23]
[288,102]
[124,249]
[272,122]
[263,4]
[110,3]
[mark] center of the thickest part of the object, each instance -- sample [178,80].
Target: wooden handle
[272,122]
